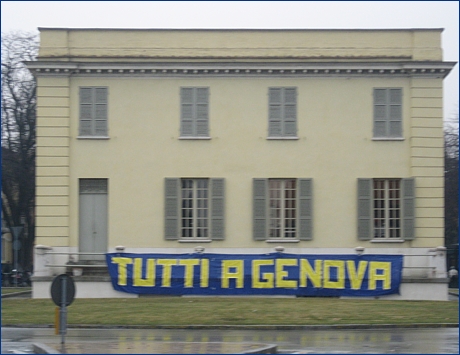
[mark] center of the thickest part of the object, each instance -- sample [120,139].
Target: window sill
[387,241]
[195,241]
[282,241]
[388,139]
[94,137]
[194,138]
[283,138]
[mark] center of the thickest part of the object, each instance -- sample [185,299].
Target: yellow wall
[138,45]
[334,145]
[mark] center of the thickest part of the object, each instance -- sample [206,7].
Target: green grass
[7,290]
[179,311]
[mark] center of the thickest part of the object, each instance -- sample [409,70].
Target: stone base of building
[101,287]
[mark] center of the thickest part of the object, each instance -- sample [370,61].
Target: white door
[93,218]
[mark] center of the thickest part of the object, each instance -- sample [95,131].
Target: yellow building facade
[240,141]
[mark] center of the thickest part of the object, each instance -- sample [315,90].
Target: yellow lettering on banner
[188,275]
[122,271]
[340,265]
[281,274]
[384,266]
[306,271]
[167,267]
[266,277]
[150,271]
[238,274]
[204,276]
[356,276]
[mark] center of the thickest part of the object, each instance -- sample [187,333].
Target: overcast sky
[29,15]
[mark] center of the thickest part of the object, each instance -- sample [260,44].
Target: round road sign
[56,289]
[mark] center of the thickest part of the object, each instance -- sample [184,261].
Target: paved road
[339,341]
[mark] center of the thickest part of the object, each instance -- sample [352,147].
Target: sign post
[63,294]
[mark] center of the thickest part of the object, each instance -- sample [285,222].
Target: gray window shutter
[194,121]
[202,107]
[86,110]
[305,193]
[380,113]
[187,112]
[365,228]
[217,209]
[172,186]
[259,210]
[275,115]
[100,114]
[290,112]
[93,111]
[387,112]
[408,194]
[395,113]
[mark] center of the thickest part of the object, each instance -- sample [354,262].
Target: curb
[20,293]
[243,327]
[267,349]
[40,348]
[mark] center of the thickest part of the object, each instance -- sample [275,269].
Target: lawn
[215,311]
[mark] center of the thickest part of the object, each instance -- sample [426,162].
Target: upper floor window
[282,112]
[282,209]
[194,116]
[386,209]
[93,111]
[388,113]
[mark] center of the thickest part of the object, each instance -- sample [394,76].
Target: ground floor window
[194,210]
[282,204]
[387,208]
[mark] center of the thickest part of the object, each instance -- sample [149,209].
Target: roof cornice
[241,69]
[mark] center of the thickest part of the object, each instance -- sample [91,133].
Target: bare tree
[18,137]
[451,191]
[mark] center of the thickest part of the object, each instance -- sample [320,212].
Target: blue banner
[256,274]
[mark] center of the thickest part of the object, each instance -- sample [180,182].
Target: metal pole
[15,244]
[63,312]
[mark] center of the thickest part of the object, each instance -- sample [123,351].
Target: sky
[30,15]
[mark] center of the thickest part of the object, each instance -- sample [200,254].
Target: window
[194,119]
[387,113]
[282,112]
[386,209]
[194,209]
[282,209]
[93,111]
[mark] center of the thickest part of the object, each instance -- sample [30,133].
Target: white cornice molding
[242,69]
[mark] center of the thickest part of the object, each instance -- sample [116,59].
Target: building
[239,141]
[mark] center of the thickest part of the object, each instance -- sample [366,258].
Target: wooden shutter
[290,112]
[194,112]
[259,210]
[201,109]
[365,209]
[100,111]
[380,113]
[388,112]
[305,196]
[275,115]
[86,111]
[187,112]
[217,209]
[93,111]
[408,208]
[395,112]
[172,208]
